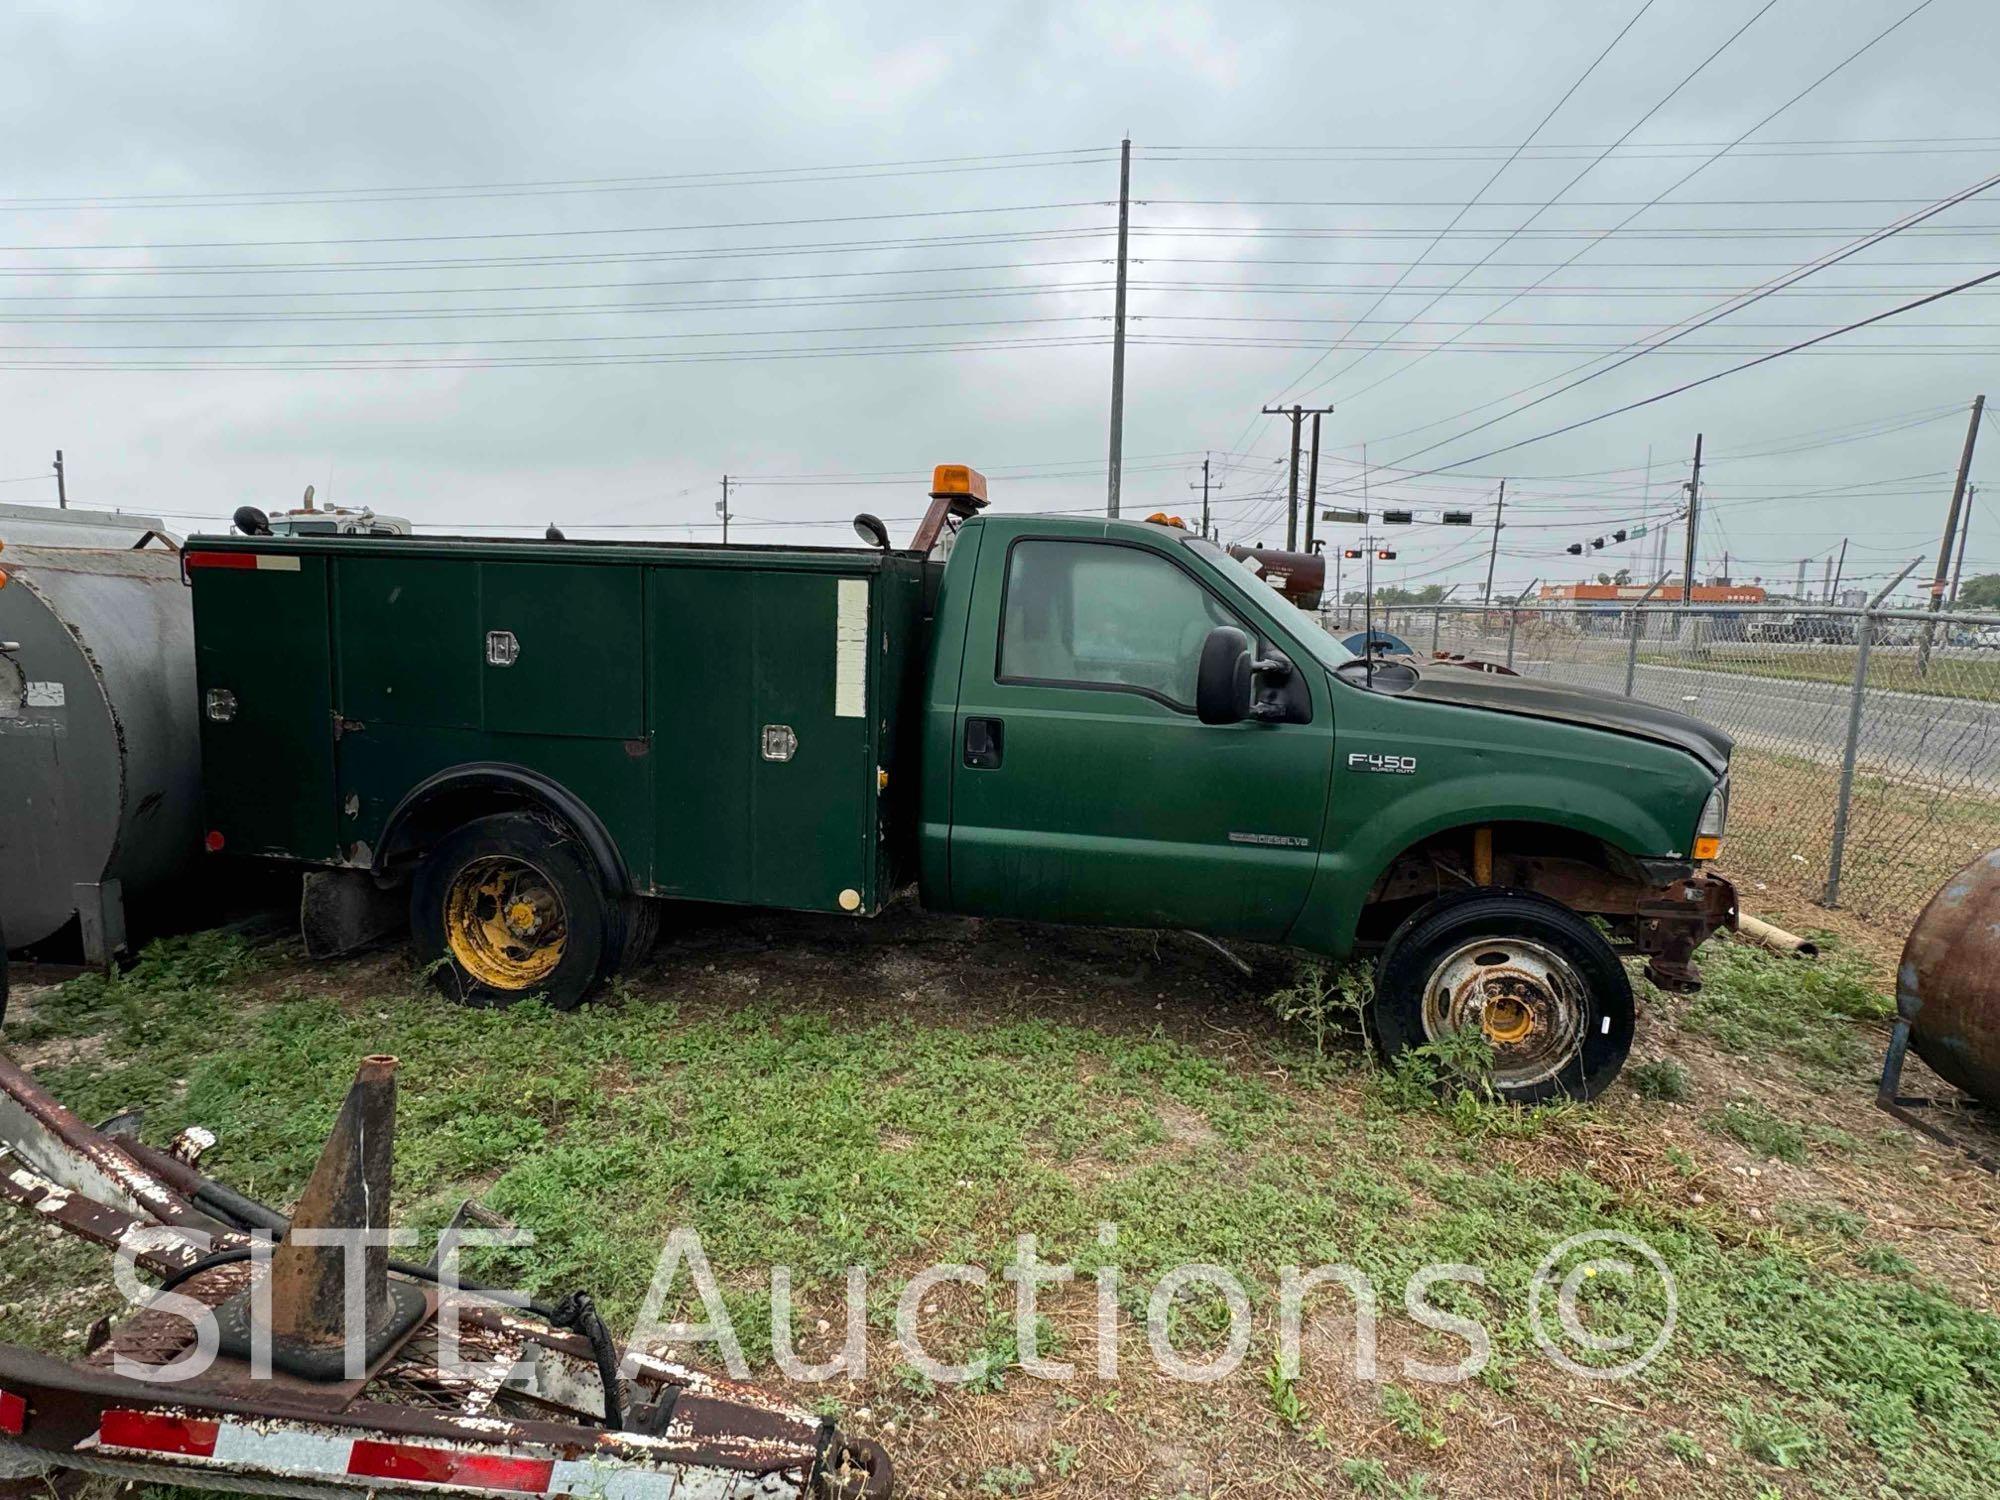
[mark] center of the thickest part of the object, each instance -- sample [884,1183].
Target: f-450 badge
[1389,765]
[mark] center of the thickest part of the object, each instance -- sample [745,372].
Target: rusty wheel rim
[505,922]
[1527,1000]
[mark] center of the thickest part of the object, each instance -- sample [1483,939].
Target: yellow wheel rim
[505,923]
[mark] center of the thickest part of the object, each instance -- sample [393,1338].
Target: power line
[1703,166]
[1498,172]
[622,257]
[561,234]
[1550,202]
[1749,364]
[767,177]
[1734,305]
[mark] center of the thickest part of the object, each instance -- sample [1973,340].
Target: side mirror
[1222,685]
[251,521]
[871,530]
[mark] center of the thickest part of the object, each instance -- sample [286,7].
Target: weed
[1661,1079]
[1882,1261]
[1768,1437]
[1753,1000]
[1761,1131]
[1284,1393]
[1007,1479]
[1324,1000]
[1063,1457]
[1404,1410]
[1586,1453]
[1684,1448]
[1368,1476]
[1826,1218]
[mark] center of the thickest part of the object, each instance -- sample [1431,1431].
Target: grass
[1821,1013]
[1661,1079]
[1903,839]
[1755,1127]
[820,1098]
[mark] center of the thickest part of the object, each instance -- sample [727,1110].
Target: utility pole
[1694,523]
[1964,530]
[1297,414]
[722,509]
[1204,495]
[1312,484]
[1828,584]
[1950,530]
[1838,568]
[62,493]
[1118,332]
[1493,555]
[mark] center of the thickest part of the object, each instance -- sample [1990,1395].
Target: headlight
[1714,818]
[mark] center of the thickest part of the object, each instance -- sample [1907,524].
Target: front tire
[510,906]
[1543,986]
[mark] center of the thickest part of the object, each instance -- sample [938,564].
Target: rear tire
[508,907]
[1547,990]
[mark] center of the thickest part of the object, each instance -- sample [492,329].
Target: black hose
[575,1312]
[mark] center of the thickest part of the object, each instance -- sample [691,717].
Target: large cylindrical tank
[99,750]
[1299,576]
[1948,985]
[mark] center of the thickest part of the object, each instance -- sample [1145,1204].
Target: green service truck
[532,745]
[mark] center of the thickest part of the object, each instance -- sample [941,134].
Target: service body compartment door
[261,636]
[764,774]
[559,643]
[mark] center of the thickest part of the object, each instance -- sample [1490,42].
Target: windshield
[1241,577]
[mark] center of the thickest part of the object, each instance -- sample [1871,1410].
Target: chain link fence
[1867,766]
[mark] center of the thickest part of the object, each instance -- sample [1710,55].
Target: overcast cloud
[254,108]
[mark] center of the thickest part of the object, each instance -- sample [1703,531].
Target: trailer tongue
[239,1374]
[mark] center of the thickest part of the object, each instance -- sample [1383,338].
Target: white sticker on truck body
[850,649]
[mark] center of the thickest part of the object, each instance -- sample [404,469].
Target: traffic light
[1617,536]
[1395,518]
[1385,555]
[1456,518]
[1574,549]
[1597,543]
[1352,554]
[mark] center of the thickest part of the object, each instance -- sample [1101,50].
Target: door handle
[985,741]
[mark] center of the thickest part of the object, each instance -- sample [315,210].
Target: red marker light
[213,842]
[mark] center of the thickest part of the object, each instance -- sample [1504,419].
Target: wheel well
[452,798]
[1581,871]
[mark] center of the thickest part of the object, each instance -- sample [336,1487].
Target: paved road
[1952,742]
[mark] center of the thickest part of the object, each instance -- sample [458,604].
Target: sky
[490,266]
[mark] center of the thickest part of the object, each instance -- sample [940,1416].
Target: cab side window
[1095,614]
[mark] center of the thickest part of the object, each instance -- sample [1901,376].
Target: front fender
[1475,767]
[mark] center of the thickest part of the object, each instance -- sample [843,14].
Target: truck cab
[1051,719]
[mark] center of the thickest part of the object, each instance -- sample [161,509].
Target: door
[1084,787]
[263,672]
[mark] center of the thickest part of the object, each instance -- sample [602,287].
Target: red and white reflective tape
[295,1449]
[269,562]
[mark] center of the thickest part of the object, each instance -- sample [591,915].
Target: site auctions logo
[1588,1303]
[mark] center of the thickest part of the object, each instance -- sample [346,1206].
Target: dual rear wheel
[511,905]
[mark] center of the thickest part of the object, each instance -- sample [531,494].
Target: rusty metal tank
[1948,984]
[99,748]
[1299,576]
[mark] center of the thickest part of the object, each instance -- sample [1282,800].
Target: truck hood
[1574,705]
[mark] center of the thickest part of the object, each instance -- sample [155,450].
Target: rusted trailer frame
[525,1409]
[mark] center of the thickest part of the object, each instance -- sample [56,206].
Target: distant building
[1615,593]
